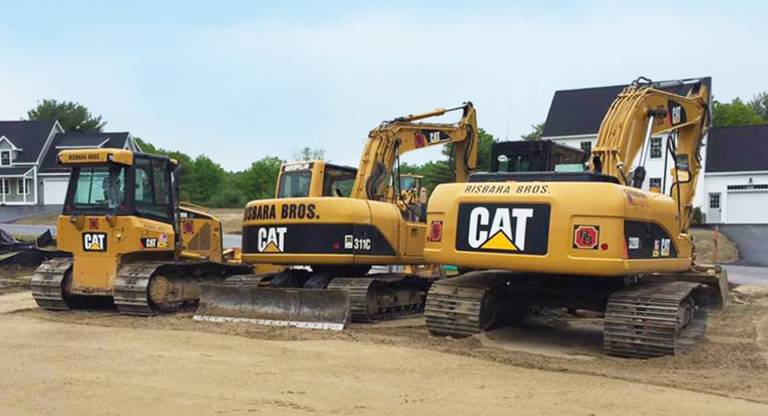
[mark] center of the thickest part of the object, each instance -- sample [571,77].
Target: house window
[5,158]
[654,183]
[5,187]
[714,201]
[23,186]
[655,147]
[586,147]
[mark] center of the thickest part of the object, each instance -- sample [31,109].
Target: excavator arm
[404,134]
[645,109]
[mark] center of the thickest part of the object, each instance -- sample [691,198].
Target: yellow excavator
[132,242]
[331,225]
[586,240]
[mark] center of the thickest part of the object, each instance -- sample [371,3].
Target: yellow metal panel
[96,156]
[605,205]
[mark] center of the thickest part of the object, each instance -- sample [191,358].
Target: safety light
[436,231]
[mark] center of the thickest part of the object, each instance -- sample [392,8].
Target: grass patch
[41,219]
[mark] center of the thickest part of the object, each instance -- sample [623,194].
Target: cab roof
[102,156]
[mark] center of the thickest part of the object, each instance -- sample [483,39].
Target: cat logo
[94,242]
[503,228]
[271,240]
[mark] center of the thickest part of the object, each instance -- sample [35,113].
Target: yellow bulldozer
[586,240]
[132,242]
[338,230]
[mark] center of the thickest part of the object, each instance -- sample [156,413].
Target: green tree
[735,113]
[72,116]
[185,170]
[260,179]
[204,181]
[760,105]
[309,153]
[535,134]
[231,194]
[485,144]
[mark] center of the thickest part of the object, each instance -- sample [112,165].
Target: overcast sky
[241,80]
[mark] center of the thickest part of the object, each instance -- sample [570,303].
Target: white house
[574,119]
[736,177]
[29,174]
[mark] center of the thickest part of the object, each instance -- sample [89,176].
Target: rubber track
[642,320]
[47,282]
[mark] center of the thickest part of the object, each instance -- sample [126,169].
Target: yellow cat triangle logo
[499,241]
[271,248]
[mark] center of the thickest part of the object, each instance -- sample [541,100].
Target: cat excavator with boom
[586,240]
[330,225]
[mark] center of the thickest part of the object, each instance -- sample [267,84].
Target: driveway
[13,213]
[747,275]
[752,241]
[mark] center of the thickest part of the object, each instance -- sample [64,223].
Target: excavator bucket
[273,306]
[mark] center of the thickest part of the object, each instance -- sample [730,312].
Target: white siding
[739,206]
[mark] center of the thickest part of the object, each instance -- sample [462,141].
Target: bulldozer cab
[315,179]
[120,183]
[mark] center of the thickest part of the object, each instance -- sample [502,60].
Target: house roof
[28,135]
[82,140]
[737,149]
[14,171]
[581,111]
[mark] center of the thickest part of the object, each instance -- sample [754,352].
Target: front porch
[18,186]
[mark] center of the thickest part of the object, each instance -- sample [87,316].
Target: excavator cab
[314,179]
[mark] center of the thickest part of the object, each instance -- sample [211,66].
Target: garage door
[54,191]
[747,207]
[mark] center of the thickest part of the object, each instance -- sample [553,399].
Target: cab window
[338,182]
[100,188]
[152,189]
[520,163]
[294,184]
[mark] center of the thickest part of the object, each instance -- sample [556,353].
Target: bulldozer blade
[301,308]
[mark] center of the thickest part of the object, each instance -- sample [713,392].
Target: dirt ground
[708,252]
[231,219]
[98,362]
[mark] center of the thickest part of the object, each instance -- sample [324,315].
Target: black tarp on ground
[32,257]
[29,253]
